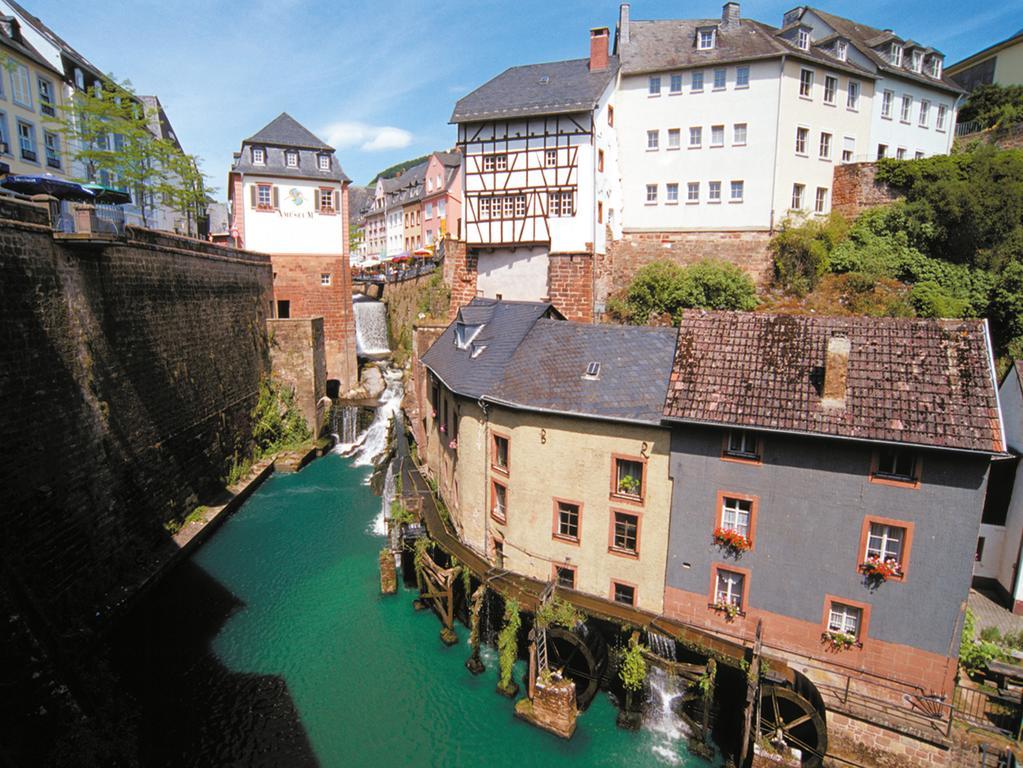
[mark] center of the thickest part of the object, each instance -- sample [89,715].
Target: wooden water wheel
[582,655]
[790,720]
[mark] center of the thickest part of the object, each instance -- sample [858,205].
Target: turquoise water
[305,662]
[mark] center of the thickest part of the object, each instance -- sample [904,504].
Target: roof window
[803,39]
[841,50]
[705,38]
[592,371]
[465,333]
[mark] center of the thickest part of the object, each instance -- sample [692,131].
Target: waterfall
[344,420]
[660,719]
[662,645]
[379,525]
[370,328]
[365,447]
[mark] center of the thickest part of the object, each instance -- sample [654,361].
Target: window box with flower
[732,541]
[878,571]
[727,609]
[839,641]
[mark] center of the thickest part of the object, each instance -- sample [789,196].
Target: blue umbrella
[47,185]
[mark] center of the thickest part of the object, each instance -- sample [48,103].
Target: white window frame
[705,38]
[802,138]
[671,193]
[824,146]
[290,158]
[939,124]
[654,86]
[820,200]
[736,515]
[852,98]
[693,192]
[651,194]
[325,278]
[742,77]
[697,77]
[886,542]
[674,138]
[906,110]
[258,156]
[653,140]
[845,619]
[21,81]
[728,587]
[833,82]
[737,184]
[324,162]
[806,78]
[717,136]
[673,81]
[712,188]
[798,191]
[720,78]
[736,141]
[887,102]
[695,132]
[803,39]
[923,121]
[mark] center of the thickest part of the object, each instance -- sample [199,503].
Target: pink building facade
[442,198]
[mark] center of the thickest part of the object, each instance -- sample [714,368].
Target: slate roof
[286,131]
[450,159]
[505,323]
[914,381]
[547,371]
[22,46]
[159,124]
[865,38]
[56,40]
[554,88]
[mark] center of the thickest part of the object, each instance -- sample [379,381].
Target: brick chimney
[730,15]
[836,373]
[599,37]
[623,23]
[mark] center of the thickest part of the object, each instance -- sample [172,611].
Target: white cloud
[369,138]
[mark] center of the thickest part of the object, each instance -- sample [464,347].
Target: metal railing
[989,711]
[973,126]
[398,273]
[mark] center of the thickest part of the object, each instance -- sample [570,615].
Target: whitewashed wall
[516,274]
[911,136]
[296,227]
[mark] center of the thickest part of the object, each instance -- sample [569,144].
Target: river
[272,646]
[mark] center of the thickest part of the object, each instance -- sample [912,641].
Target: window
[550,157]
[717,135]
[566,520]
[693,192]
[935,66]
[917,61]
[742,77]
[495,162]
[672,193]
[674,138]
[258,156]
[600,212]
[841,50]
[895,54]
[900,153]
[830,87]
[428,211]
[714,191]
[325,201]
[21,88]
[918,155]
[611,116]
[625,533]
[565,576]
[729,588]
[51,142]
[291,159]
[499,502]
[283,309]
[802,134]
[695,137]
[485,208]
[697,84]
[896,465]
[887,99]
[848,149]
[797,196]
[886,541]
[806,83]
[46,104]
[499,456]
[736,514]
[562,203]
[845,619]
[820,203]
[882,151]
[654,86]
[676,83]
[739,134]
[653,139]
[925,108]
[5,140]
[27,141]
[720,79]
[940,122]
[825,146]
[627,479]
[741,443]
[499,552]
[737,191]
[325,278]
[264,197]
[705,38]
[623,593]
[651,194]
[907,107]
[803,39]
[852,99]
[324,162]
[600,160]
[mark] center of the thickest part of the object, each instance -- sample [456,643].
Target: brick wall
[1010,137]
[746,249]
[460,272]
[127,374]
[298,357]
[855,188]
[570,281]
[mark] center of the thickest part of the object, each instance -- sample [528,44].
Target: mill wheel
[788,719]
[582,655]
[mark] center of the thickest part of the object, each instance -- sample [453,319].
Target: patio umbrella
[424,253]
[47,185]
[108,195]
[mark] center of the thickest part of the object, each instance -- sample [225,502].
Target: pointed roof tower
[286,131]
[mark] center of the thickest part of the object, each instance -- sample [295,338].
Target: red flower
[733,540]
[881,570]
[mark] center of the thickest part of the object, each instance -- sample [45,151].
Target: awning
[108,195]
[45,184]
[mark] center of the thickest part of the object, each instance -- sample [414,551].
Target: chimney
[623,23]
[836,373]
[730,15]
[598,49]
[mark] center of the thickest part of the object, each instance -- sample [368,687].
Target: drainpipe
[486,474]
[596,224]
[777,140]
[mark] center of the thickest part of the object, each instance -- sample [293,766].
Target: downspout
[777,141]
[486,477]
[593,255]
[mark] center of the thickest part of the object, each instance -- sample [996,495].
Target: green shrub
[632,668]
[993,105]
[974,654]
[931,300]
[1007,303]
[991,634]
[558,612]
[508,643]
[277,423]
[801,251]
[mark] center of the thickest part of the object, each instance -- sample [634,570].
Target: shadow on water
[194,711]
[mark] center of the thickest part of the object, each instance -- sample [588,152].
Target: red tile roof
[915,381]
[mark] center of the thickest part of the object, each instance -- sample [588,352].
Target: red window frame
[754,507]
[502,518]
[614,550]
[907,542]
[619,582]
[628,498]
[556,525]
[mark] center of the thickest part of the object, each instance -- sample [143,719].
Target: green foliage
[801,249]
[974,654]
[632,668]
[398,168]
[434,296]
[277,423]
[508,643]
[628,484]
[932,300]
[401,514]
[558,612]
[994,105]
[666,288]
[239,469]
[420,551]
[991,634]
[705,683]
[1007,307]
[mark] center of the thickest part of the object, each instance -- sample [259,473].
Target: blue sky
[378,80]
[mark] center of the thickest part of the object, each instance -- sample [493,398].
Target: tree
[994,105]
[801,251]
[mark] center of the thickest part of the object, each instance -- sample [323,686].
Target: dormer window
[918,61]
[324,162]
[896,54]
[291,159]
[803,39]
[841,50]
[258,156]
[705,38]
[465,333]
[935,66]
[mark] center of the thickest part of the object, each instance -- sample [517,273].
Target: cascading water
[344,422]
[662,645]
[370,328]
[669,731]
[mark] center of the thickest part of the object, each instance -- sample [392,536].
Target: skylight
[592,370]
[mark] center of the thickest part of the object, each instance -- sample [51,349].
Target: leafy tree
[994,105]
[1007,307]
[664,288]
[801,250]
